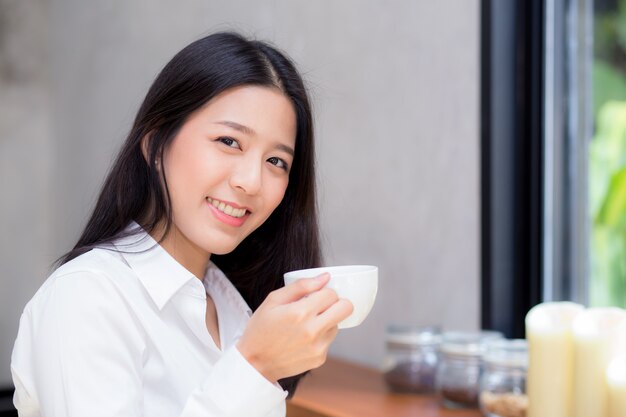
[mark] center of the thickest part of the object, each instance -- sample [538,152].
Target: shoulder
[80,309]
[99,261]
[94,278]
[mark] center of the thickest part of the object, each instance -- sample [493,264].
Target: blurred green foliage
[607,162]
[607,203]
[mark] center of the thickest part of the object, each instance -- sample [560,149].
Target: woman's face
[228,168]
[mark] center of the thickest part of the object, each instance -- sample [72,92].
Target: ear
[145,148]
[145,141]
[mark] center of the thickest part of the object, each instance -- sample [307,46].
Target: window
[553,117]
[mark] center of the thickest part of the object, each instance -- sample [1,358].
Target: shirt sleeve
[87,351]
[234,389]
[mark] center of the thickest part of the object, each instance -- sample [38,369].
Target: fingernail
[323,276]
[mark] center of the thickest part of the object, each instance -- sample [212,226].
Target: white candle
[595,343]
[616,381]
[550,359]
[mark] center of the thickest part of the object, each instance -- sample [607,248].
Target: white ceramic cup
[356,283]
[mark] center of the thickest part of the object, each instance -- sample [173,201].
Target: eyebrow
[237,126]
[248,131]
[284,148]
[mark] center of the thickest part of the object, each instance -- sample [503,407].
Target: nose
[247,176]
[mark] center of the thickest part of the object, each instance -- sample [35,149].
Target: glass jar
[458,375]
[412,357]
[503,382]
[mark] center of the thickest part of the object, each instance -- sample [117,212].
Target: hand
[293,328]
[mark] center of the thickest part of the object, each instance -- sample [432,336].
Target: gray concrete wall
[395,90]
[26,248]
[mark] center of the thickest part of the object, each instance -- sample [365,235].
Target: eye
[278,162]
[230,142]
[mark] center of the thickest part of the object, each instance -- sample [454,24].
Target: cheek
[277,193]
[182,178]
[185,179]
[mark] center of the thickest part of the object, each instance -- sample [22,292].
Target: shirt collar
[220,287]
[158,271]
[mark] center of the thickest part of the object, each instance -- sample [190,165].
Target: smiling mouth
[227,209]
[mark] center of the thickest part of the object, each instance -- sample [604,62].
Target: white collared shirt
[124,334]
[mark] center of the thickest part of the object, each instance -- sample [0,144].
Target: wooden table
[343,389]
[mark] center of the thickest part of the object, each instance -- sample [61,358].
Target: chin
[223,252]
[223,249]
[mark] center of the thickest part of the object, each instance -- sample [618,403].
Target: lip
[225,218]
[230,203]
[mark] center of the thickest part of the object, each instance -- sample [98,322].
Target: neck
[185,252]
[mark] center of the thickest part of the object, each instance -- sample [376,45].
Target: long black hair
[135,190]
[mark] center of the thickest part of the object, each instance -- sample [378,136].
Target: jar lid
[467,343]
[508,353]
[408,335]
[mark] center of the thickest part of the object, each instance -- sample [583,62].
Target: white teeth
[225,208]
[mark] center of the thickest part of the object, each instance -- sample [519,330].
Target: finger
[319,301]
[298,289]
[330,334]
[335,313]
[327,335]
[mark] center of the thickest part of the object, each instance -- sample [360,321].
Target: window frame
[535,126]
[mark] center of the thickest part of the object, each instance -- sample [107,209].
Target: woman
[209,202]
